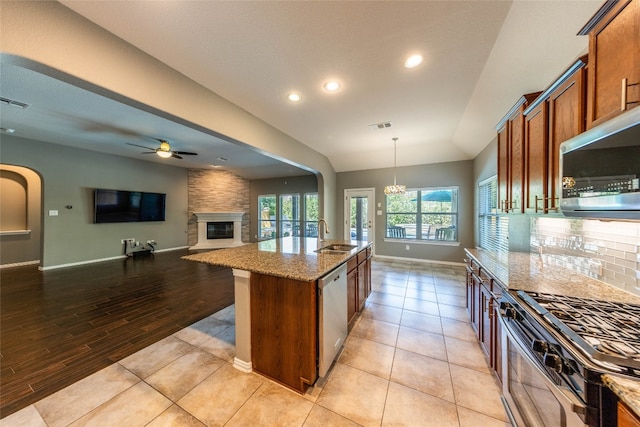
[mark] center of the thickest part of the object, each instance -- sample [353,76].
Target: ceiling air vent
[13,102]
[382,125]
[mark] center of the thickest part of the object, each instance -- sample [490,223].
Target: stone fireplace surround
[204,217]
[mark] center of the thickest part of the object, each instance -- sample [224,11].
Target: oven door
[531,397]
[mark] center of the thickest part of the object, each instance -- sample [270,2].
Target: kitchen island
[276,302]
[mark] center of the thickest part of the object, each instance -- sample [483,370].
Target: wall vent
[13,102]
[382,125]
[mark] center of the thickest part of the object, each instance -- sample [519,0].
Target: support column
[242,360]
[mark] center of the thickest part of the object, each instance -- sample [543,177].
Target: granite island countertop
[536,273]
[288,257]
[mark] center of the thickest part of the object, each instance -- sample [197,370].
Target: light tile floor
[411,360]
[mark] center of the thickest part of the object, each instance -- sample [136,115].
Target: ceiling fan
[164,150]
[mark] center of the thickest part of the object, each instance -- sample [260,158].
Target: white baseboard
[20,264]
[425,261]
[91,261]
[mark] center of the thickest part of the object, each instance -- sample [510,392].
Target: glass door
[358,214]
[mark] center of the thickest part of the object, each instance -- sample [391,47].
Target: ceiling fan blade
[173,154]
[148,152]
[141,146]
[185,153]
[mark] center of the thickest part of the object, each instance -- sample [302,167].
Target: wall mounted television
[128,206]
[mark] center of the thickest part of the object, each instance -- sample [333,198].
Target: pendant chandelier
[395,188]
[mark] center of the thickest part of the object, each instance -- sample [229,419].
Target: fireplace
[218,230]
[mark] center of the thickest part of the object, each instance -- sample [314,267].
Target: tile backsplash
[605,250]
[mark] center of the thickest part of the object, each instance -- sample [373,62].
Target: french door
[359,214]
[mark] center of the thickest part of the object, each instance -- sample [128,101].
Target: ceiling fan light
[163,154]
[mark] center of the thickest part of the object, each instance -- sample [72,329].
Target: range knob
[553,361]
[539,346]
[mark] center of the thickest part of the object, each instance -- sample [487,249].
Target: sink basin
[335,249]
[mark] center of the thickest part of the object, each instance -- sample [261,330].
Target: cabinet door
[614,55]
[362,284]
[470,295]
[535,188]
[485,321]
[496,359]
[515,127]
[503,169]
[477,307]
[352,285]
[566,120]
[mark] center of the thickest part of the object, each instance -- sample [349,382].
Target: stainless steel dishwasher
[332,311]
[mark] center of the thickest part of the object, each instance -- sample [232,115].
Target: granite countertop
[627,389]
[288,257]
[536,273]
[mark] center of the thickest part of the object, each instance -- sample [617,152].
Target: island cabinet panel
[284,337]
[626,418]
[614,61]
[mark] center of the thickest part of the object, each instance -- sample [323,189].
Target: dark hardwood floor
[59,326]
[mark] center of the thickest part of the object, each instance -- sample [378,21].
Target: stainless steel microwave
[600,170]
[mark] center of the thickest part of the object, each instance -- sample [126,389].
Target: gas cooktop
[605,331]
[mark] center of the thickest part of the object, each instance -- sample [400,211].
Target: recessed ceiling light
[7,130]
[413,61]
[294,97]
[332,86]
[222,159]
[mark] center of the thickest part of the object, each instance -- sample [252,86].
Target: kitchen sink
[336,248]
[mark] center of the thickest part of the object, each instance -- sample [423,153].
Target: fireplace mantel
[204,217]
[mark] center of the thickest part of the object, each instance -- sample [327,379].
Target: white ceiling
[480,57]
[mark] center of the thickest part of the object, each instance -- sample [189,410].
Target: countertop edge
[627,390]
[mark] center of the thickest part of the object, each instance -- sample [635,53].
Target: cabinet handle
[540,199]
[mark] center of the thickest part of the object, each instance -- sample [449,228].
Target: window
[493,228]
[267,225]
[429,214]
[289,215]
[283,215]
[311,210]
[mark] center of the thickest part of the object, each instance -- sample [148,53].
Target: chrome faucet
[322,230]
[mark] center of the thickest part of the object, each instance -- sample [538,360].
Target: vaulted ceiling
[479,58]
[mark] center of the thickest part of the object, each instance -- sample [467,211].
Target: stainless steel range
[557,347]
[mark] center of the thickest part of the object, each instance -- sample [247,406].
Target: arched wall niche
[20,215]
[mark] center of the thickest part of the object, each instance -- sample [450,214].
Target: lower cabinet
[358,283]
[482,295]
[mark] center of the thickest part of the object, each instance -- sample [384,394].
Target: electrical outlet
[406,247]
[129,240]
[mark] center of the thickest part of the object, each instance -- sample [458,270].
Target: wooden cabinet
[554,117]
[511,152]
[483,294]
[358,283]
[614,60]
[352,290]
[626,418]
[284,333]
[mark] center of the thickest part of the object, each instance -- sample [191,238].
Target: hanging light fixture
[395,188]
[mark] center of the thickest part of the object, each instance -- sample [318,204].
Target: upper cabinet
[614,60]
[554,117]
[511,156]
